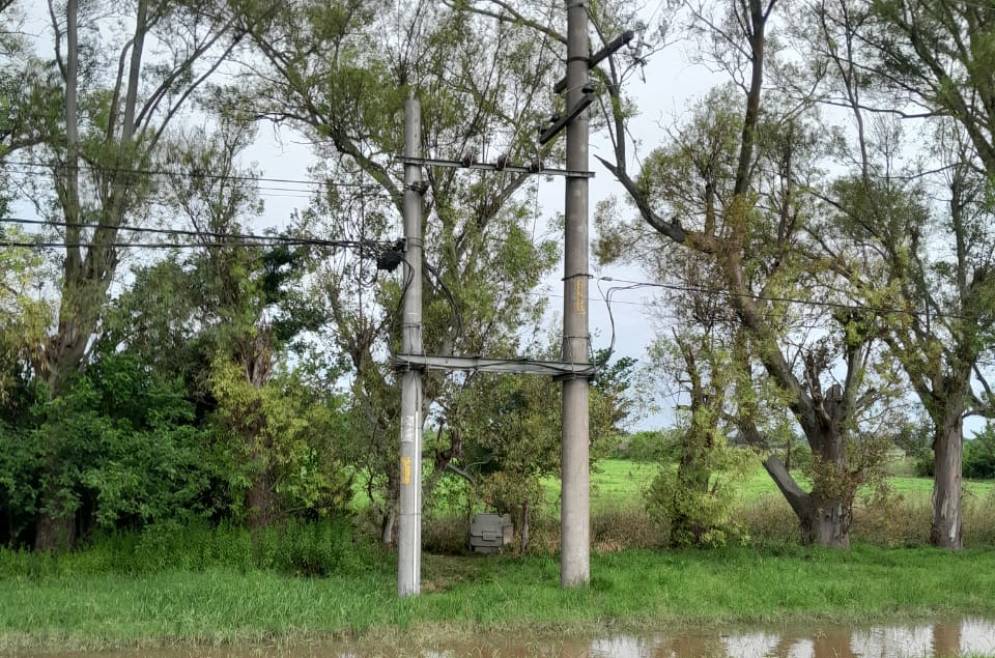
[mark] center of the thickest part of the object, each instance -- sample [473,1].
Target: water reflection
[967,637]
[974,637]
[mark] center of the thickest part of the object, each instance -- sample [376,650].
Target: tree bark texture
[948,447]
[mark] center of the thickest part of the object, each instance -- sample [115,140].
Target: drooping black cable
[229,237]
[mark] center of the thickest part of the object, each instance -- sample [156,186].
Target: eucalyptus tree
[339,73]
[122,78]
[728,186]
[913,215]
[27,93]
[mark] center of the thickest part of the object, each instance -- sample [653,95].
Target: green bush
[647,446]
[119,448]
[979,455]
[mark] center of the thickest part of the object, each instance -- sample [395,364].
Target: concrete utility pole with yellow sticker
[575,518]
[409,531]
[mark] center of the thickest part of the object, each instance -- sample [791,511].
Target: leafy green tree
[226,318]
[695,501]
[23,316]
[979,455]
[481,89]
[515,446]
[513,430]
[27,93]
[927,62]
[112,115]
[284,440]
[727,187]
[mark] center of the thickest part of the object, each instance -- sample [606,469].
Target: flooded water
[950,639]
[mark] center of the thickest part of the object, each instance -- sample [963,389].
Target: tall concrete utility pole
[409,539]
[575,517]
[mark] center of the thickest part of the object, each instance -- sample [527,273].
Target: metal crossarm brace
[562,122]
[491,166]
[481,364]
[600,56]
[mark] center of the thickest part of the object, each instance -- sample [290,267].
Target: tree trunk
[390,520]
[948,447]
[524,534]
[692,486]
[826,523]
[55,531]
[260,500]
[823,521]
[387,528]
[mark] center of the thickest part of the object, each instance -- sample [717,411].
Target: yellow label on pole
[579,302]
[405,470]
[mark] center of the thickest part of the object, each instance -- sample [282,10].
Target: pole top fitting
[420,187]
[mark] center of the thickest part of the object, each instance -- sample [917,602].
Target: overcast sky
[672,82]
[669,86]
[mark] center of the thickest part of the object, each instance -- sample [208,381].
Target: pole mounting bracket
[610,49]
[562,122]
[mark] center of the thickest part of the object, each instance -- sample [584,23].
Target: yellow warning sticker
[580,303]
[405,470]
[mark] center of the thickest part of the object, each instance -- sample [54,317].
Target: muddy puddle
[948,639]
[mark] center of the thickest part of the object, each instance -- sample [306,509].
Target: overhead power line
[217,235]
[208,239]
[197,174]
[139,245]
[786,300]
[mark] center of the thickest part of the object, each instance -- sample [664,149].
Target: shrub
[445,535]
[624,527]
[979,519]
[694,503]
[769,520]
[646,446]
[885,518]
[979,455]
[119,448]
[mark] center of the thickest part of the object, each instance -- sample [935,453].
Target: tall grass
[204,584]
[294,548]
[630,590]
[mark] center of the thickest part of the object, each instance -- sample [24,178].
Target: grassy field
[202,585]
[620,482]
[630,590]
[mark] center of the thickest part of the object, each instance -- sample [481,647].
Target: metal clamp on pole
[562,122]
[610,49]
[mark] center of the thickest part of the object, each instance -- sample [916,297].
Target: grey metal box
[489,533]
